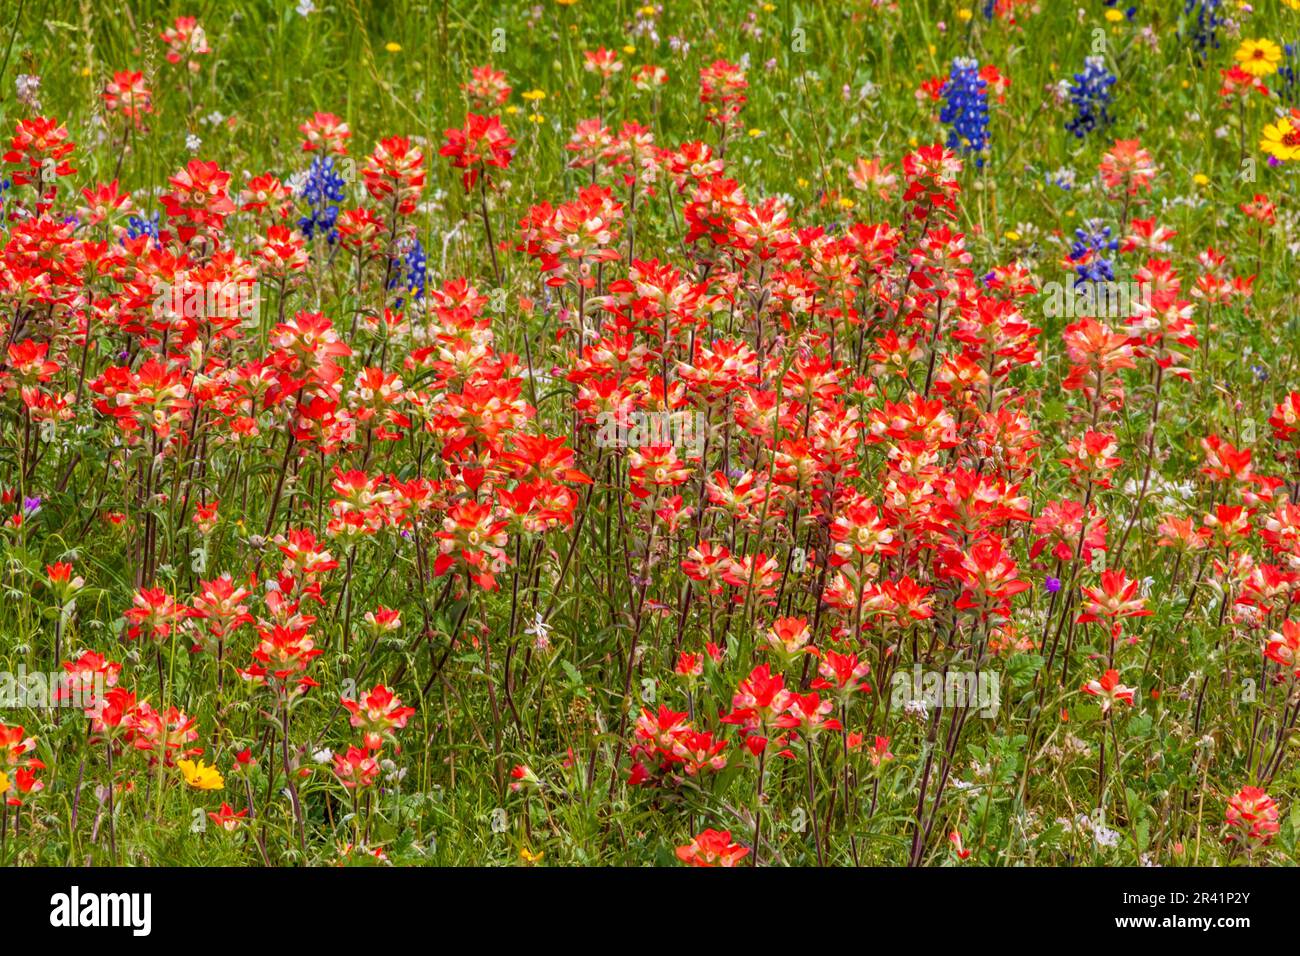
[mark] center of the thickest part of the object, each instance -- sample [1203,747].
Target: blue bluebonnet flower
[322,191]
[1092,241]
[1063,178]
[137,227]
[966,108]
[1090,94]
[1201,22]
[988,9]
[409,272]
[415,268]
[1288,89]
[1129,12]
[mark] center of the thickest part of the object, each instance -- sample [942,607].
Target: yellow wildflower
[1282,140]
[1259,57]
[200,776]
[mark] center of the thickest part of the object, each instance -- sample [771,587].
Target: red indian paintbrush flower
[712,848]
[394,174]
[377,715]
[1117,598]
[325,131]
[1251,817]
[480,143]
[1109,690]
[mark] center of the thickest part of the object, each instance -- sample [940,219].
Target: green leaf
[1022,667]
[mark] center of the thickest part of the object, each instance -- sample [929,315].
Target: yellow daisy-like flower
[4,782]
[964,14]
[1201,179]
[1281,140]
[528,856]
[200,776]
[1293,4]
[1114,16]
[535,95]
[393,47]
[1259,57]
